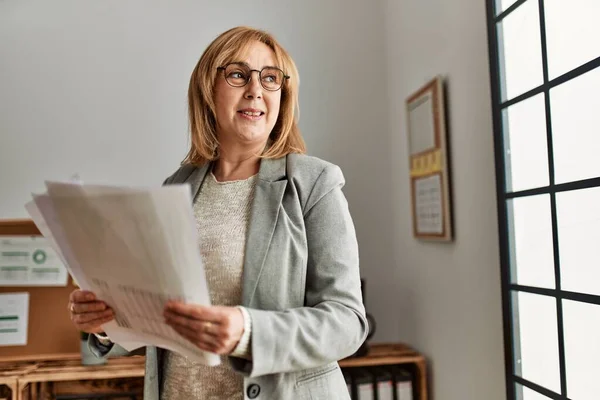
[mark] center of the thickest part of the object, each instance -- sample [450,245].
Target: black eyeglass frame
[224,68]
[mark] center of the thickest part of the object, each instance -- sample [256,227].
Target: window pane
[526,152]
[524,393]
[575,121]
[502,5]
[572,33]
[578,214]
[582,349]
[536,339]
[520,46]
[530,236]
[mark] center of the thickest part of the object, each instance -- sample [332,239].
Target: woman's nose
[254,88]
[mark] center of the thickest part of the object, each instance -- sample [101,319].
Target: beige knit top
[222,211]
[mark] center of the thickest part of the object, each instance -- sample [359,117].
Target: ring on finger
[206,326]
[72,307]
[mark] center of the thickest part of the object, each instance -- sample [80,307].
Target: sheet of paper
[41,210]
[14,318]
[136,249]
[30,261]
[428,198]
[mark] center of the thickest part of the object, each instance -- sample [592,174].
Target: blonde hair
[285,138]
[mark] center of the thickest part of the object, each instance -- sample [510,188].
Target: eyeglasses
[239,74]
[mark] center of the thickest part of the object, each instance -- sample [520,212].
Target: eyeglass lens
[239,75]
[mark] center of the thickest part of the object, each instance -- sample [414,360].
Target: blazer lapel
[196,178]
[268,193]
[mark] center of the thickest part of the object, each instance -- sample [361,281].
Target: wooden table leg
[33,393]
[14,390]
[422,379]
[23,391]
[45,391]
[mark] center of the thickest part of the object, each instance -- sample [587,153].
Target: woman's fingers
[206,327]
[91,307]
[95,325]
[81,296]
[204,341]
[194,311]
[86,318]
[216,329]
[82,301]
[87,312]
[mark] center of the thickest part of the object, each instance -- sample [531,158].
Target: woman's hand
[87,312]
[215,329]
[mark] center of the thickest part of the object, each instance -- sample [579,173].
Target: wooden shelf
[28,378]
[64,374]
[393,354]
[71,369]
[384,354]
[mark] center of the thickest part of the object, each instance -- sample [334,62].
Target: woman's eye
[236,75]
[270,78]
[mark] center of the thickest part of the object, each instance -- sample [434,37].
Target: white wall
[445,298]
[99,87]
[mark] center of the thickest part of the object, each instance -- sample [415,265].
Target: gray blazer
[301,284]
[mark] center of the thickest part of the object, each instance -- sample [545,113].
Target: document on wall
[14,318]
[136,249]
[30,261]
[429,204]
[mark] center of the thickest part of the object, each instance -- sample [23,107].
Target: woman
[276,239]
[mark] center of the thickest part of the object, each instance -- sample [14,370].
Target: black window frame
[503,196]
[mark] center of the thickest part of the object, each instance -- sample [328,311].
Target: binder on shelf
[383,383]
[362,384]
[402,382]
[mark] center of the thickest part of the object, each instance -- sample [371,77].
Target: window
[545,71]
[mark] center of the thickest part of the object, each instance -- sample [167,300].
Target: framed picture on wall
[429,174]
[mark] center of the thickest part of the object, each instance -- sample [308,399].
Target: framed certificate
[429,175]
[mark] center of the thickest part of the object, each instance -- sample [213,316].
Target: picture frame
[428,162]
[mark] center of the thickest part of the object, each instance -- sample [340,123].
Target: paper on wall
[14,319]
[30,261]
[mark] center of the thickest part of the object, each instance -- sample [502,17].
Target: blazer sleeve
[113,350]
[332,324]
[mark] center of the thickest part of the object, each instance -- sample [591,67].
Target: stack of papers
[135,249]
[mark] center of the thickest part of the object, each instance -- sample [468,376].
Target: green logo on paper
[39,256]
